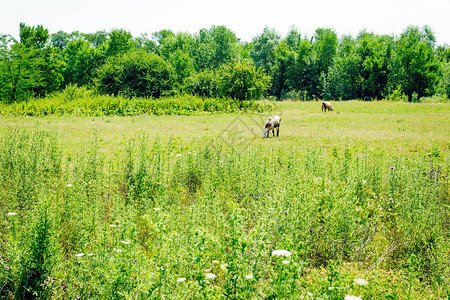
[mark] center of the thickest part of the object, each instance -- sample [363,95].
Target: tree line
[214,62]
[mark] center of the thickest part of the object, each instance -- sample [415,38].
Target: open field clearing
[374,126]
[354,202]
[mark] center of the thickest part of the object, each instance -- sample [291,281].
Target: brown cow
[326,105]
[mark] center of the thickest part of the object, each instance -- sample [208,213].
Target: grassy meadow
[196,206]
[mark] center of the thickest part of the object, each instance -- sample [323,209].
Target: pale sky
[246,18]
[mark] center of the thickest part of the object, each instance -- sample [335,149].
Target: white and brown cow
[326,105]
[272,123]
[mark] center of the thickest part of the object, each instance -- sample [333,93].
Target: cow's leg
[278,131]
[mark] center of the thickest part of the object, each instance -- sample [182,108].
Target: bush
[242,81]
[203,84]
[136,74]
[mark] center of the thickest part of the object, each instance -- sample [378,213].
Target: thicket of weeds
[209,222]
[82,102]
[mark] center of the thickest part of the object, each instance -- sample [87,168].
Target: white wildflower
[181,279]
[281,253]
[11,214]
[79,254]
[117,250]
[125,242]
[178,155]
[113,225]
[309,294]
[210,276]
[350,297]
[285,262]
[360,281]
[69,185]
[249,276]
[90,254]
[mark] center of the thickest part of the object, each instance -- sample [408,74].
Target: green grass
[362,192]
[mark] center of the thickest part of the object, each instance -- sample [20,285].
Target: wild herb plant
[202,220]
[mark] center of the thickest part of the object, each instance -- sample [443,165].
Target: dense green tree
[60,39]
[285,58]
[144,42]
[443,86]
[264,48]
[214,47]
[324,48]
[293,38]
[136,73]
[33,37]
[18,74]
[443,53]
[203,53]
[96,39]
[82,59]
[299,70]
[375,52]
[225,45]
[120,41]
[183,66]
[413,67]
[344,79]
[322,56]
[31,67]
[171,43]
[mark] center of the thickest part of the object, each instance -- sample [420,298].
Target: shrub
[203,84]
[136,74]
[243,81]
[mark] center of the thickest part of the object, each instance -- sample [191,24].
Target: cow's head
[266,130]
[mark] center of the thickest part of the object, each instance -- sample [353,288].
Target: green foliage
[82,60]
[344,80]
[367,67]
[33,37]
[214,47]
[397,95]
[136,74]
[120,42]
[204,84]
[324,48]
[30,68]
[183,67]
[81,101]
[200,220]
[374,52]
[242,81]
[263,50]
[444,81]
[413,65]
[39,257]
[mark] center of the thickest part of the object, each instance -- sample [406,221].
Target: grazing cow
[326,105]
[271,124]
